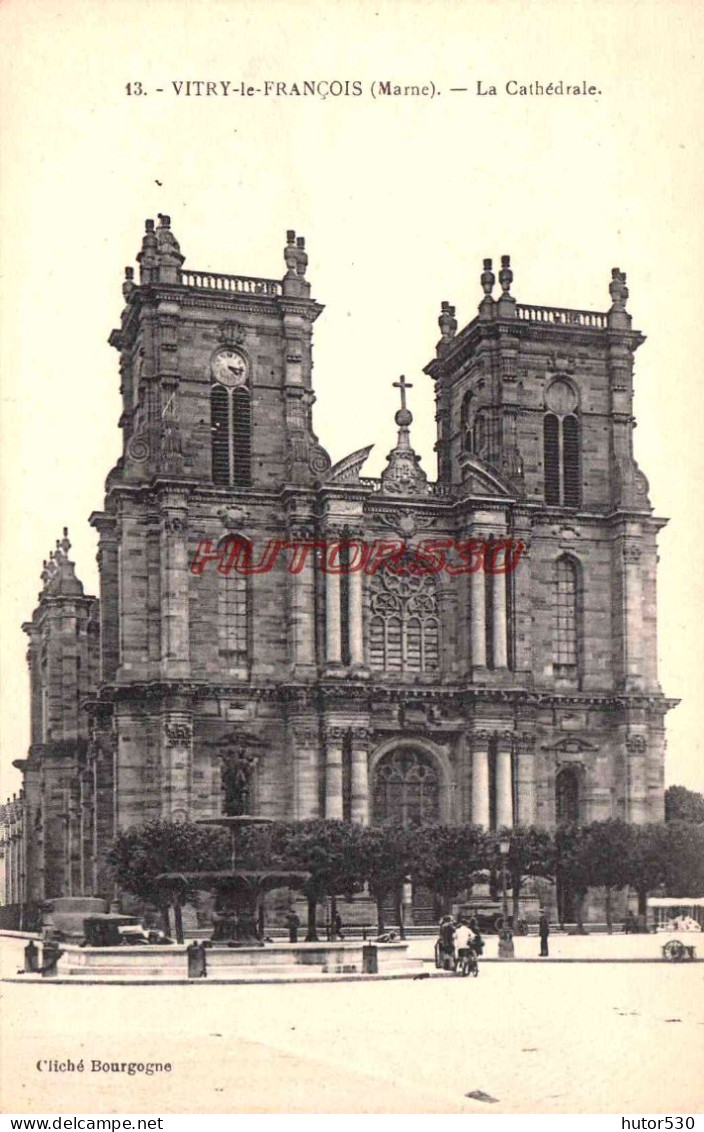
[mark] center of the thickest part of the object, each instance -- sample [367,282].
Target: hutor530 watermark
[349,556]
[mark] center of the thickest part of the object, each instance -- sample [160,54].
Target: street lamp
[506,950]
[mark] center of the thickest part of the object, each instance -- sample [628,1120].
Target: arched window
[561,446]
[231,431]
[567,807]
[465,422]
[480,434]
[551,458]
[404,629]
[406,789]
[570,461]
[565,618]
[233,611]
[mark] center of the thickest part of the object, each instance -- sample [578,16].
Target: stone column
[174,596]
[525,794]
[637,785]
[303,605]
[306,762]
[478,613]
[176,768]
[108,564]
[4,852]
[333,631]
[520,580]
[359,808]
[499,631]
[9,867]
[504,784]
[450,631]
[632,616]
[356,622]
[94,821]
[334,737]
[480,779]
[105,798]
[82,873]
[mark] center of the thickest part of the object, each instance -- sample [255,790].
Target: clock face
[229,368]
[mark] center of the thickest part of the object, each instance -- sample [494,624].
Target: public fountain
[239,891]
[237,950]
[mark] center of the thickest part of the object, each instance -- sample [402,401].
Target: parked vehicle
[113,930]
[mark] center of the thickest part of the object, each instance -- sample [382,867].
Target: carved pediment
[230,739]
[417,714]
[570,745]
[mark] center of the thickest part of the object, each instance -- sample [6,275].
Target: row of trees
[342,858]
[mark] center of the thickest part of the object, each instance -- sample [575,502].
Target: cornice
[478,329]
[324,692]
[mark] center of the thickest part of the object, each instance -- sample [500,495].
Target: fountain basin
[238,964]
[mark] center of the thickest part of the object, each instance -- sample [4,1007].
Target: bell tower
[216,371]
[527,392]
[216,380]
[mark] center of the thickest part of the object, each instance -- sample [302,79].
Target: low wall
[277,958]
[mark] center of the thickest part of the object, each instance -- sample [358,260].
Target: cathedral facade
[526,696]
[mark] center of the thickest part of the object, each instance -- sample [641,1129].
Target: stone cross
[403,385]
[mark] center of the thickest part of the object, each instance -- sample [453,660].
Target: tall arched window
[231,430]
[480,434]
[570,461]
[466,422]
[404,629]
[561,446]
[233,612]
[406,789]
[567,807]
[565,618]
[551,458]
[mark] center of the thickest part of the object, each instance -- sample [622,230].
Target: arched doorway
[567,810]
[407,791]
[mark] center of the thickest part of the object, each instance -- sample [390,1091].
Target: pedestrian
[478,942]
[196,960]
[630,925]
[337,926]
[544,932]
[293,923]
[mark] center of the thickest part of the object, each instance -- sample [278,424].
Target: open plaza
[524,1037]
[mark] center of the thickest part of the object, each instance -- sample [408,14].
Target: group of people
[456,935]
[460,935]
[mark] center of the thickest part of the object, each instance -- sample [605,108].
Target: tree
[571,867]
[390,855]
[605,852]
[682,804]
[684,874]
[138,855]
[448,857]
[531,854]
[648,858]
[330,851]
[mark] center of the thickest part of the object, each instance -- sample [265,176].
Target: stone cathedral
[525,697]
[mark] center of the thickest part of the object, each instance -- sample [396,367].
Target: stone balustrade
[238,284]
[561,316]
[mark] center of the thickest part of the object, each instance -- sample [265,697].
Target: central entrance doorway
[406,792]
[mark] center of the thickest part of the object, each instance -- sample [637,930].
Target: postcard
[350,602]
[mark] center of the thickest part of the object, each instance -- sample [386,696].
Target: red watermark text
[428,556]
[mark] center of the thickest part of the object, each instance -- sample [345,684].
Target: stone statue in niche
[237,772]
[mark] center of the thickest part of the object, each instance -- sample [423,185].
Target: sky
[399,198]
